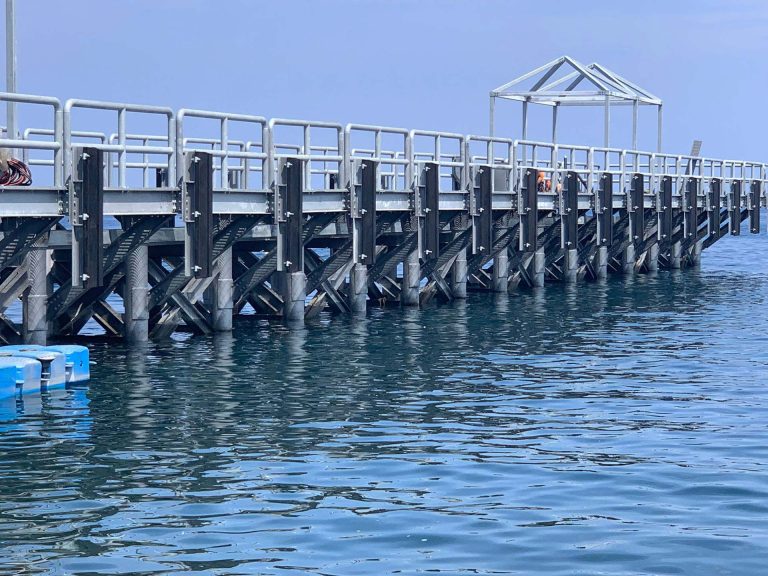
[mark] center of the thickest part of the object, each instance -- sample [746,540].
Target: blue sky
[417,64]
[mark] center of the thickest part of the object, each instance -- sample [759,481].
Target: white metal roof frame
[576,85]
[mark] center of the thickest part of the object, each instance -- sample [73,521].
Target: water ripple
[614,428]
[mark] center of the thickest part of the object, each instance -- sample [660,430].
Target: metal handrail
[121,147]
[306,151]
[521,154]
[224,153]
[59,150]
[392,158]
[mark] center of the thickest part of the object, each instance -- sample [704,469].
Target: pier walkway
[188,224]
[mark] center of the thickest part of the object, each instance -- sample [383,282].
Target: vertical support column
[675,256]
[628,259]
[695,254]
[691,210]
[409,295]
[459,275]
[734,208]
[136,296]
[364,232]
[198,215]
[529,215]
[539,264]
[604,208]
[755,193]
[294,295]
[222,291]
[35,301]
[569,222]
[637,210]
[86,209]
[10,65]
[501,271]
[570,274]
[431,232]
[653,257]
[601,265]
[290,244]
[605,211]
[713,219]
[358,289]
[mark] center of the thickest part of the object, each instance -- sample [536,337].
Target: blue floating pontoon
[54,365]
[19,375]
[28,368]
[77,360]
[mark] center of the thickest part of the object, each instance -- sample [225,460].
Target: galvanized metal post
[222,293]
[35,300]
[409,295]
[492,118]
[459,275]
[628,259]
[695,254]
[675,259]
[659,126]
[358,289]
[653,258]
[602,262]
[570,274]
[539,266]
[294,295]
[136,295]
[525,120]
[501,271]
[554,123]
[635,107]
[607,121]
[290,245]
[10,65]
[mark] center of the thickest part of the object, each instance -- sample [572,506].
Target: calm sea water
[617,428]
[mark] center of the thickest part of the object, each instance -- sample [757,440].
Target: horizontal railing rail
[122,148]
[224,152]
[400,155]
[56,145]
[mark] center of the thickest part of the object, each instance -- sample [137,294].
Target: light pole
[10,63]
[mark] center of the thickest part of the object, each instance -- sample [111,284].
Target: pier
[191,216]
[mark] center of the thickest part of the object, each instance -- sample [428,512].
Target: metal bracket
[713,208]
[665,210]
[484,206]
[86,209]
[637,209]
[569,212]
[529,212]
[605,210]
[734,208]
[364,212]
[755,193]
[431,231]
[289,215]
[198,214]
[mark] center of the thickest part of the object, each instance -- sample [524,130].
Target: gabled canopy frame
[567,82]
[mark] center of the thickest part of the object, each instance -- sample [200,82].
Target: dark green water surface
[617,428]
